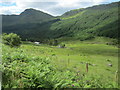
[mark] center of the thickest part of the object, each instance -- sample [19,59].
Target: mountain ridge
[27,16]
[83,24]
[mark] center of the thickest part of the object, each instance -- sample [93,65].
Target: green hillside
[83,24]
[72,12]
[99,20]
[27,16]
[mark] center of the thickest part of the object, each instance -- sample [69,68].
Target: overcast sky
[53,7]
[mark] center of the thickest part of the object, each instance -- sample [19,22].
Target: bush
[114,42]
[11,39]
[53,42]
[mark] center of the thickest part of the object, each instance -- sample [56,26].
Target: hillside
[72,12]
[27,16]
[83,24]
[101,20]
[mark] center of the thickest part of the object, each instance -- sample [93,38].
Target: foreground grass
[74,57]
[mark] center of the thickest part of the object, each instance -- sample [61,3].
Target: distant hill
[27,16]
[34,16]
[83,24]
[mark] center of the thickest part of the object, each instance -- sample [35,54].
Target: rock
[110,65]
[61,46]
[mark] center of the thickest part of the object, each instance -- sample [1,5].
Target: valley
[78,49]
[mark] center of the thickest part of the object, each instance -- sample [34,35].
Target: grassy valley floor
[102,59]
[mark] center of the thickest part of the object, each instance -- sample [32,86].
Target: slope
[101,20]
[27,16]
[83,24]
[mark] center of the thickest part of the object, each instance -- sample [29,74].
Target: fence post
[116,76]
[86,67]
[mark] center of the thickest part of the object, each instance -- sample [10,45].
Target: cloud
[53,7]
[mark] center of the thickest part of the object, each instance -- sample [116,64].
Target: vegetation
[100,20]
[53,42]
[31,66]
[27,16]
[77,50]
[11,39]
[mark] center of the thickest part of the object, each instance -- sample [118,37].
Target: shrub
[114,42]
[11,39]
[53,42]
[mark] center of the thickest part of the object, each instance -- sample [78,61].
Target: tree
[13,40]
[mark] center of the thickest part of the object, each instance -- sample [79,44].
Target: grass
[75,56]
[73,16]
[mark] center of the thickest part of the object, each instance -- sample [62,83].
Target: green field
[68,65]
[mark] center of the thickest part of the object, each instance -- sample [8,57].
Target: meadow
[34,66]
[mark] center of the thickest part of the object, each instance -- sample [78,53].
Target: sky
[53,7]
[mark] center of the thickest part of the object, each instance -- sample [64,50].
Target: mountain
[72,12]
[83,24]
[34,16]
[100,20]
[27,16]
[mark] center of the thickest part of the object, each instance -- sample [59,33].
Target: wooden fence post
[86,67]
[116,76]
